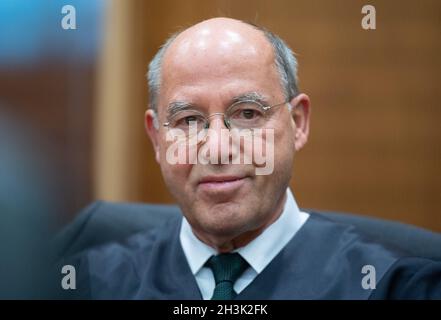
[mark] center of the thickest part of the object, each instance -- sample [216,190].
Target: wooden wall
[375,138]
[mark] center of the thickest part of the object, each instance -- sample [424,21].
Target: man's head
[208,67]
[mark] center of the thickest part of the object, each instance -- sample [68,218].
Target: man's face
[208,69]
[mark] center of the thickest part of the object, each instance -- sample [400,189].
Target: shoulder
[114,268]
[411,278]
[341,238]
[397,274]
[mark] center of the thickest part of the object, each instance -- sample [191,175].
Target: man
[223,92]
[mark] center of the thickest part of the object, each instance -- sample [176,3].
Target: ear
[301,110]
[152,130]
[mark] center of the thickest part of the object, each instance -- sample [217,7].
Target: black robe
[324,260]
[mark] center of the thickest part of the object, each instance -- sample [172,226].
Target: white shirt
[258,253]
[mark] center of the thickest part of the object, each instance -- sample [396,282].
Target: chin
[223,230]
[226,221]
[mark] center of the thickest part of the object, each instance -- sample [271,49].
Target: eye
[190,119]
[185,120]
[248,114]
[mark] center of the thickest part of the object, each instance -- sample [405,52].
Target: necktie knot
[227,268]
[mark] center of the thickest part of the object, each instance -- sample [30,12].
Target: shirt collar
[196,252]
[259,252]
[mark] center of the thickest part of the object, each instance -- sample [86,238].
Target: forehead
[218,63]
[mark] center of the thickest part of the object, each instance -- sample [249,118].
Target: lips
[219,179]
[221,184]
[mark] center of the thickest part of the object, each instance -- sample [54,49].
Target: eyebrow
[177,106]
[251,96]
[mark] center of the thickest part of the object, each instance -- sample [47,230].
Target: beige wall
[375,139]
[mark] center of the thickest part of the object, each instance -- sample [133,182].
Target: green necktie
[226,267]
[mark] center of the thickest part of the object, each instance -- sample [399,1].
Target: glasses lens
[246,115]
[188,120]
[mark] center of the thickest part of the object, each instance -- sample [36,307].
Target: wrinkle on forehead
[216,39]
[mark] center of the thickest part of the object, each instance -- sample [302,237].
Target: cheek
[283,132]
[176,178]
[284,148]
[174,171]
[175,174]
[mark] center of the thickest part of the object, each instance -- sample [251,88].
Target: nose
[217,140]
[218,114]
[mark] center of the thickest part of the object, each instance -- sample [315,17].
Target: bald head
[220,33]
[218,40]
[226,43]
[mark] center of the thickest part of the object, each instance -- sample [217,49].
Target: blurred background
[79,96]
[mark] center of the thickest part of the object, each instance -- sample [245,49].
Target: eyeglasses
[247,114]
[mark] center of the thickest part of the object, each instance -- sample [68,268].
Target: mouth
[221,184]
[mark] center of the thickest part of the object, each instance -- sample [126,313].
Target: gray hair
[285,62]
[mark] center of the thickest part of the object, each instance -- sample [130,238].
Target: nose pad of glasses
[227,123]
[225,120]
[204,133]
